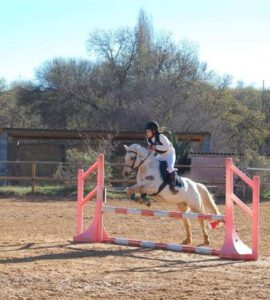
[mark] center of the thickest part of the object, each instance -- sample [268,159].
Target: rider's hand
[152,147]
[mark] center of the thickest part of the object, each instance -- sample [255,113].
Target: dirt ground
[38,259]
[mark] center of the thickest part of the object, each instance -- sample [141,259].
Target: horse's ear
[126,147]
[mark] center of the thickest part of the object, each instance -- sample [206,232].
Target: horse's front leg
[137,188]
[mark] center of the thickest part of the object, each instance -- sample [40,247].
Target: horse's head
[135,154]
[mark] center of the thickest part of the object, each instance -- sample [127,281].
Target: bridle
[132,167]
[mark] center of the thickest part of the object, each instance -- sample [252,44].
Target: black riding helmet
[152,126]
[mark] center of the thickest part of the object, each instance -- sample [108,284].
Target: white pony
[192,196]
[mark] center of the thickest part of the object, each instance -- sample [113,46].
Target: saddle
[165,176]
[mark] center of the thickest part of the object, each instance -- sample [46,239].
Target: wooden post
[33,176]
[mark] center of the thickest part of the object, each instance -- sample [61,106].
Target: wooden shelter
[50,145]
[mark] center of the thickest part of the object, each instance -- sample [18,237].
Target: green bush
[78,160]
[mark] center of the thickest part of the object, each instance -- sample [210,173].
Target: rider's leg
[172,180]
[172,183]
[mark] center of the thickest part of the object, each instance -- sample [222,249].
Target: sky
[232,36]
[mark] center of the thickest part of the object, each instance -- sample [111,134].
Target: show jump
[232,248]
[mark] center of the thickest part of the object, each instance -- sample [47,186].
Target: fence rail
[31,172]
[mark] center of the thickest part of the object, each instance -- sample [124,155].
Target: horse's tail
[208,199]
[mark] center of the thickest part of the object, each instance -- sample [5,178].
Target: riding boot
[172,183]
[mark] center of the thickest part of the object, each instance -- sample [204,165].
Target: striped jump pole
[164,213]
[162,246]
[233,247]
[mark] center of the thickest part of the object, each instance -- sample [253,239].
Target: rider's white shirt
[169,154]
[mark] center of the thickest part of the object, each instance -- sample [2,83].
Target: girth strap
[161,187]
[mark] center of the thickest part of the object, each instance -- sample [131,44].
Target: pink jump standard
[95,233]
[233,247]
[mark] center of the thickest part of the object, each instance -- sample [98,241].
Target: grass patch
[265,194]
[14,191]
[52,191]
[48,190]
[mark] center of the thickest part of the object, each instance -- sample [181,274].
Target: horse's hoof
[205,243]
[133,197]
[148,203]
[186,242]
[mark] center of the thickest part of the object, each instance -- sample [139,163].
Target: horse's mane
[138,148]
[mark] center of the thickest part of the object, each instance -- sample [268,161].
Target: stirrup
[174,190]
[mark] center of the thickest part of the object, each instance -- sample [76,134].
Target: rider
[166,152]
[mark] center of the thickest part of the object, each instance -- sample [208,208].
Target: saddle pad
[179,181]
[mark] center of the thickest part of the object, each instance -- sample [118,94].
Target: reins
[132,167]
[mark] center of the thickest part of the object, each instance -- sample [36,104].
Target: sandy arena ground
[38,259]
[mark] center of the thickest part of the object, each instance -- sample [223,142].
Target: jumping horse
[192,196]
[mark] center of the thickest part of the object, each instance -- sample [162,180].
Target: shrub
[78,160]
